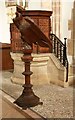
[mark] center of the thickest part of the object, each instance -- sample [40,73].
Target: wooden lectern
[30,33]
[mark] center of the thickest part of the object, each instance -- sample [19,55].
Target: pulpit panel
[6,63]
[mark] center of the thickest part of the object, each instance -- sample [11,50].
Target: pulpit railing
[59,49]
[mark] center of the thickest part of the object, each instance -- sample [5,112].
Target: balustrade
[59,49]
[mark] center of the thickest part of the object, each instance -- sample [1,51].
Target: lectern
[30,33]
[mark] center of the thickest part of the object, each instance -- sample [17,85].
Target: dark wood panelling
[6,61]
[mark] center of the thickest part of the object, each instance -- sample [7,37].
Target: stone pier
[71,47]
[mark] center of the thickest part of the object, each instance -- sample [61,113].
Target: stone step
[56,71]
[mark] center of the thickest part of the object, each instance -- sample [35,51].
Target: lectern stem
[28,98]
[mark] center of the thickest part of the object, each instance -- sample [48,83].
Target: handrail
[59,49]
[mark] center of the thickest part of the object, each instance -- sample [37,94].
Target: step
[56,71]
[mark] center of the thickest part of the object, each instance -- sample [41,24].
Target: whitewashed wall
[4,26]
[34,4]
[39,4]
[66,8]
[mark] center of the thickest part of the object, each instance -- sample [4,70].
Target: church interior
[37,59]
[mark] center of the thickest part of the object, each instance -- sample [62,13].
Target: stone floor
[57,101]
[9,110]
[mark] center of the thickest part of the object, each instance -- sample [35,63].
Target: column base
[28,98]
[72,74]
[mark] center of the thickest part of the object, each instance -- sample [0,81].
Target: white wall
[39,4]
[34,5]
[4,26]
[67,6]
[46,4]
[65,16]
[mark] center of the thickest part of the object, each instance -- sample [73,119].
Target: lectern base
[28,98]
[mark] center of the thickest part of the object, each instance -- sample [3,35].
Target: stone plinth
[72,74]
[38,67]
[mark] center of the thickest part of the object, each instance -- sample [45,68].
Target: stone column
[38,67]
[71,47]
[56,17]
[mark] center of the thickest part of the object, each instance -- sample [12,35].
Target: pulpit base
[39,66]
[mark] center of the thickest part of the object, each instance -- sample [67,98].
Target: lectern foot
[25,101]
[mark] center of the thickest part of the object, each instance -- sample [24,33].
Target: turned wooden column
[28,98]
